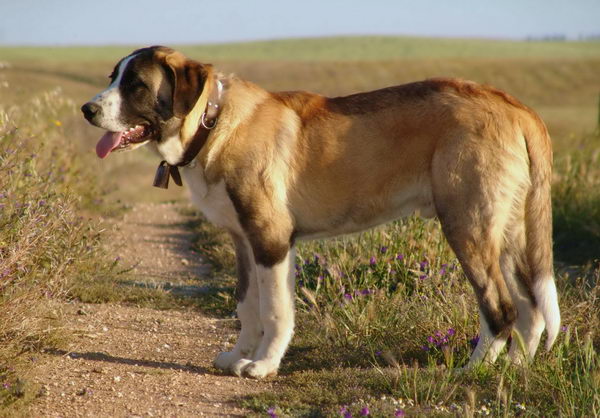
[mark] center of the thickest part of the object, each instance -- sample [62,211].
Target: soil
[125,361]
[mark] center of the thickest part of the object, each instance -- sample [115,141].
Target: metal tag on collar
[161,178]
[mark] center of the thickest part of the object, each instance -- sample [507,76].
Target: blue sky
[84,22]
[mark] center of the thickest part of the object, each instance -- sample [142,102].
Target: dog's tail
[538,225]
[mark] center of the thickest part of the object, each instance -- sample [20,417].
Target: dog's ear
[187,78]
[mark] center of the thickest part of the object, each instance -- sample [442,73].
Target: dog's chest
[212,199]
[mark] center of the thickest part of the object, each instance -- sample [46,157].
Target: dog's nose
[90,110]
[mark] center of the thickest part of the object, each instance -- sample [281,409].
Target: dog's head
[150,94]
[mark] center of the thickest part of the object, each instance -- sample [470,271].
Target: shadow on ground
[107,358]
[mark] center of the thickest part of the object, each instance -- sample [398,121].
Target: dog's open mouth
[117,141]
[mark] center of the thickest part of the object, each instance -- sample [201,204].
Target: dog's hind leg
[478,250]
[247,310]
[474,195]
[496,310]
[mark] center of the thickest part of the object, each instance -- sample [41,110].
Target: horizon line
[529,38]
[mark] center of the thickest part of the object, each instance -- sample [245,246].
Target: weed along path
[125,361]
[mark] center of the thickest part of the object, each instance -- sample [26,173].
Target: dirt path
[127,361]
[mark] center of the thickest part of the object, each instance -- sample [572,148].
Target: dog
[274,168]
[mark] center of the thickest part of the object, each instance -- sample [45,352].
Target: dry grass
[44,241]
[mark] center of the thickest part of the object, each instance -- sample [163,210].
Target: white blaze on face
[110,101]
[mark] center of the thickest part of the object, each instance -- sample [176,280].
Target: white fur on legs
[528,328]
[544,290]
[488,346]
[250,334]
[249,315]
[276,294]
[529,324]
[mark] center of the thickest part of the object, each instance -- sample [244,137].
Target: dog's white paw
[225,359]
[260,369]
[239,366]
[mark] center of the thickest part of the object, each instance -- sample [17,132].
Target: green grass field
[370,48]
[367,303]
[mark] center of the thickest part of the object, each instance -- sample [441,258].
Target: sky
[113,22]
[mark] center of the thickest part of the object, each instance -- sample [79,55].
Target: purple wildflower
[271,412]
[365,292]
[474,341]
[399,413]
[383,250]
[42,202]
[378,353]
[423,264]
[439,339]
[564,328]
[399,257]
[5,385]
[345,412]
[365,411]
[348,296]
[423,276]
[373,261]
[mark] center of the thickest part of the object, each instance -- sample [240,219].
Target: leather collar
[207,122]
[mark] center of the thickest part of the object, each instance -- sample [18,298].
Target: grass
[577,202]
[384,317]
[348,48]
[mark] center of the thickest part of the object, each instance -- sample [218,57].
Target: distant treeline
[562,37]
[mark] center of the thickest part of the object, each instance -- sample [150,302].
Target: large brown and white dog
[281,167]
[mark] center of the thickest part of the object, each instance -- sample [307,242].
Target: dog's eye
[138,84]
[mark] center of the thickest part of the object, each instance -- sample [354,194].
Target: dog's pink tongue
[108,142]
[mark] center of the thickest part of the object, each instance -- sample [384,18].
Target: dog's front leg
[276,297]
[247,310]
